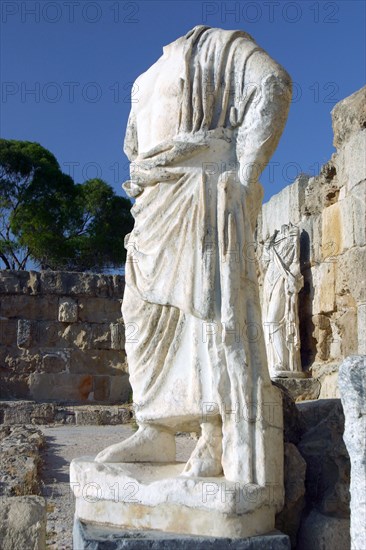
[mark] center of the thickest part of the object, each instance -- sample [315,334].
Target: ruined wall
[62,337]
[329,209]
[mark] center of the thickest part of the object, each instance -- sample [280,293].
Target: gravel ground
[63,443]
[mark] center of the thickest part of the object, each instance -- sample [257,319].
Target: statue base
[145,496]
[87,536]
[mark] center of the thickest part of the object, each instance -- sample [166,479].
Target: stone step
[30,412]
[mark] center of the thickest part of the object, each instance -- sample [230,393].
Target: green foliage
[45,217]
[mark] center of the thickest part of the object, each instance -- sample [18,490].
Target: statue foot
[205,461]
[202,468]
[148,444]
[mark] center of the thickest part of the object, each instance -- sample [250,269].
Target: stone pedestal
[92,537]
[146,496]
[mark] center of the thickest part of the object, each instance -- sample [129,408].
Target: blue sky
[80,58]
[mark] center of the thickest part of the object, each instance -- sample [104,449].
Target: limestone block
[313,412]
[293,424]
[102,388]
[120,389]
[73,335]
[49,334]
[29,307]
[60,387]
[288,520]
[332,232]
[284,207]
[25,333]
[321,191]
[323,335]
[20,460]
[23,523]
[328,466]
[102,416]
[329,387]
[62,283]
[20,361]
[327,375]
[351,274]
[67,310]
[19,282]
[312,203]
[78,335]
[359,213]
[15,413]
[56,361]
[323,532]
[348,117]
[347,329]
[10,281]
[101,336]
[105,286]
[352,216]
[86,336]
[352,383]
[345,302]
[300,389]
[65,387]
[310,240]
[118,286]
[347,216]
[14,386]
[335,348]
[351,161]
[8,332]
[324,281]
[117,336]
[28,412]
[99,310]
[89,361]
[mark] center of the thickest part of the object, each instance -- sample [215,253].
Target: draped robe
[281,285]
[191,308]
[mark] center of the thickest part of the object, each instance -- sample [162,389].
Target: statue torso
[158,93]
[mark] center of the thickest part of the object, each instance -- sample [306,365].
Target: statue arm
[130,145]
[295,267]
[265,116]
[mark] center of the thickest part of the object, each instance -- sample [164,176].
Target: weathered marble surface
[209,116]
[352,385]
[157,496]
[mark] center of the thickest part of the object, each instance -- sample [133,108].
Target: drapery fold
[191,283]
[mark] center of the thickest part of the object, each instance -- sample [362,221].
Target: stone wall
[329,209]
[62,337]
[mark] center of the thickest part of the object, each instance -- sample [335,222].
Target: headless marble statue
[281,285]
[209,115]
